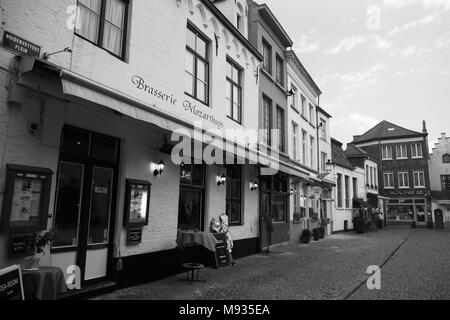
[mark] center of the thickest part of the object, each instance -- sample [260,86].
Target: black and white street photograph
[224,156]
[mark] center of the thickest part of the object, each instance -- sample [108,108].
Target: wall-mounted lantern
[159,168]
[290,93]
[221,180]
[254,185]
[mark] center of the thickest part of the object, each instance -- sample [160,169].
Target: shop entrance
[85,203]
[192,191]
[274,210]
[439,218]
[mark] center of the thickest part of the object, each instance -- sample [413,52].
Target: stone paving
[331,269]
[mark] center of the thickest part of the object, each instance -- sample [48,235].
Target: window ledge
[304,118]
[402,158]
[311,125]
[387,159]
[295,109]
[416,157]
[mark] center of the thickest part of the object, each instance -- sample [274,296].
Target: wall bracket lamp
[159,169]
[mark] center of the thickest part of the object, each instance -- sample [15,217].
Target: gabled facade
[403,170]
[439,166]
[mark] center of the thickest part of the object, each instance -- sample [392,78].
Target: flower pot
[306,236]
[316,234]
[31,263]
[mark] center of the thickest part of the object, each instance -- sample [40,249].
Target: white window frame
[401,155]
[385,151]
[419,173]
[402,182]
[415,151]
[390,179]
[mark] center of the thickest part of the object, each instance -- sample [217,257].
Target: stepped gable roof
[386,130]
[338,156]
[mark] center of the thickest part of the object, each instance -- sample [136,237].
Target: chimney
[424,131]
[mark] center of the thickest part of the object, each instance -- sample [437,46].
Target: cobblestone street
[414,266]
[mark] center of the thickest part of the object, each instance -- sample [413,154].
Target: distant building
[439,166]
[403,172]
[349,187]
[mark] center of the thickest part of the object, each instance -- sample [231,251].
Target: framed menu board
[27,195]
[137,203]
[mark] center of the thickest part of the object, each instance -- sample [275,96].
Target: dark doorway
[439,218]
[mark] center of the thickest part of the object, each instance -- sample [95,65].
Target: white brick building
[124,84]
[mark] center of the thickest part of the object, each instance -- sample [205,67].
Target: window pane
[115,13]
[89,24]
[75,142]
[189,210]
[100,206]
[93,5]
[201,71]
[68,204]
[113,39]
[235,212]
[236,112]
[189,83]
[235,75]
[236,95]
[201,47]
[278,208]
[190,38]
[201,91]
[104,148]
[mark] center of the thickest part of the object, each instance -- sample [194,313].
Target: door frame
[84,216]
[442,215]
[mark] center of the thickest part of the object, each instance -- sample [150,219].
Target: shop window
[234,91]
[196,66]
[278,209]
[446,158]
[234,194]
[104,23]
[192,175]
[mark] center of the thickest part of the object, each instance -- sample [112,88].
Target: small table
[44,284]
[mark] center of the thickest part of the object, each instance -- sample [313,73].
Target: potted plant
[316,234]
[37,244]
[322,232]
[306,236]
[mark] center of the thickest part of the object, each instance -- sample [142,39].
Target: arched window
[446,158]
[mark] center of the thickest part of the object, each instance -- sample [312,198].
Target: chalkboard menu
[221,253]
[11,285]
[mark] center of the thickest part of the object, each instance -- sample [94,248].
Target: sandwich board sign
[11,285]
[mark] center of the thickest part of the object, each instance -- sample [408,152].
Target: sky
[375,60]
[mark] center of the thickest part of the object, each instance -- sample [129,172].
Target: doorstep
[89,290]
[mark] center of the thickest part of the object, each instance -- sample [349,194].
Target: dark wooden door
[439,219]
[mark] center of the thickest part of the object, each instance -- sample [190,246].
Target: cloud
[411,51]
[359,78]
[413,24]
[305,45]
[362,123]
[351,124]
[443,40]
[346,44]
[381,43]
[426,4]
